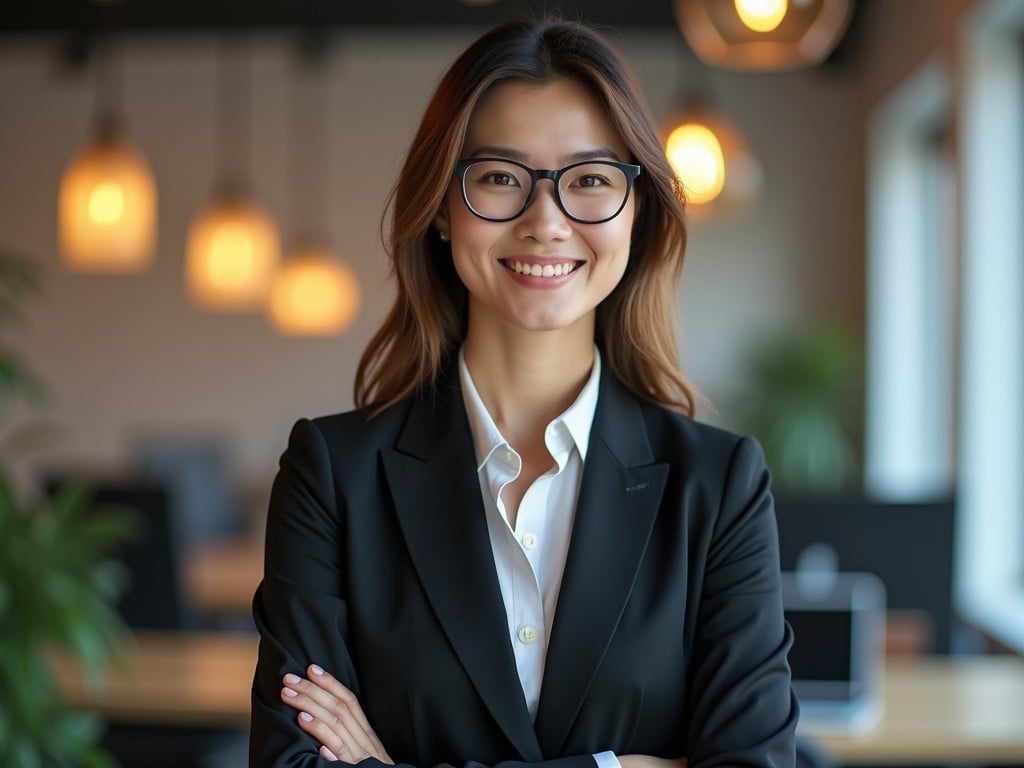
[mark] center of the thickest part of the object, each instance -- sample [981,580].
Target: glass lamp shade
[711,161]
[762,34]
[313,294]
[233,253]
[106,212]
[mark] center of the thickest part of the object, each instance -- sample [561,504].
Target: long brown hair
[428,321]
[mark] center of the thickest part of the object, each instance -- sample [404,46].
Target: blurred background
[852,295]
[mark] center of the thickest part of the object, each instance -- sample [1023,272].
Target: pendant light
[314,293]
[233,246]
[107,202]
[711,160]
[763,34]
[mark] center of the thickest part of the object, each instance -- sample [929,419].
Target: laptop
[838,654]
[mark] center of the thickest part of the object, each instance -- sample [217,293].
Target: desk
[942,710]
[221,578]
[937,710]
[189,679]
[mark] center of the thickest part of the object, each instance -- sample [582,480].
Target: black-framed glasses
[589,192]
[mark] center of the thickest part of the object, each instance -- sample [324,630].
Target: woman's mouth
[556,269]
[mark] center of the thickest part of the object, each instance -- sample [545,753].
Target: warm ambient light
[233,253]
[762,34]
[717,171]
[695,154]
[107,209]
[761,15]
[313,294]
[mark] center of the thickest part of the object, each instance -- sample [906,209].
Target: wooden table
[937,710]
[940,711]
[221,578]
[171,678]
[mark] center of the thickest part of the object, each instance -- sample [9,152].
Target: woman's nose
[544,219]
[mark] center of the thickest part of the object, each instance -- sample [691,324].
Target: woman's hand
[330,713]
[646,761]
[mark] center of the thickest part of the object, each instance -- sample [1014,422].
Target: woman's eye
[591,180]
[500,179]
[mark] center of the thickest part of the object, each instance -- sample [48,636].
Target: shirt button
[529,541]
[528,634]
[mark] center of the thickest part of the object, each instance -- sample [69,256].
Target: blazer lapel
[620,493]
[437,500]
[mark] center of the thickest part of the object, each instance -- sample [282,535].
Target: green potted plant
[58,585]
[802,400]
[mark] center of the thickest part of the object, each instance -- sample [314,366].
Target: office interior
[886,210]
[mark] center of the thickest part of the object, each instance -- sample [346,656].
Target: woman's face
[545,127]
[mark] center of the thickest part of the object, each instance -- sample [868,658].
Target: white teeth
[548,270]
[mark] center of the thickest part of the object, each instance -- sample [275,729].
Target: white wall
[128,356]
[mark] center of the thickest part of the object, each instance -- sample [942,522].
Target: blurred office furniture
[200,679]
[195,472]
[180,699]
[907,545]
[221,576]
[154,597]
[940,710]
[809,754]
[838,654]
[937,709]
[207,521]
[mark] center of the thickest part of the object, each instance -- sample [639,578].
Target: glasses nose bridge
[539,174]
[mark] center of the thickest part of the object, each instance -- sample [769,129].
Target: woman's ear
[441,222]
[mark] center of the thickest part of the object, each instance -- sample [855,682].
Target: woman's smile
[538,269]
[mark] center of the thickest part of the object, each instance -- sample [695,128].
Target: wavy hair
[428,321]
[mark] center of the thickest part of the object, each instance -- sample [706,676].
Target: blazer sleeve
[300,606]
[743,711]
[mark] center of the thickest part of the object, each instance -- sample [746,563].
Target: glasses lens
[495,189]
[593,191]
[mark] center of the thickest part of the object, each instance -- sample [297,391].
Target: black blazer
[668,638]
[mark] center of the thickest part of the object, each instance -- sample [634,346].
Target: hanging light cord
[109,88]
[309,166]
[234,103]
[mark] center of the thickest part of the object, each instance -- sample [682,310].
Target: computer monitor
[838,654]
[908,545]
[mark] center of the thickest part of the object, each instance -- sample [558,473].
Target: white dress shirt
[530,557]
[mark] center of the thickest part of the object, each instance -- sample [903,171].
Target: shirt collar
[577,418]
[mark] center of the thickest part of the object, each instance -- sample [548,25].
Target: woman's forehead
[554,119]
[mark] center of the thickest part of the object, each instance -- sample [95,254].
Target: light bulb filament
[106,203]
[762,15]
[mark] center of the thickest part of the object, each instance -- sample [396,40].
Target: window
[911,313]
[990,588]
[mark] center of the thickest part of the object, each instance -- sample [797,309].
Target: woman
[521,548]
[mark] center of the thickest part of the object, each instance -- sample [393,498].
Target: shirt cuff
[606,760]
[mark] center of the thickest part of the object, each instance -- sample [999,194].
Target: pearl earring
[443,236]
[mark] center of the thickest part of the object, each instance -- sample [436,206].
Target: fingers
[330,685]
[342,694]
[329,712]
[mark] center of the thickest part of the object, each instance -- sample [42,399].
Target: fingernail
[316,670]
[289,693]
[307,717]
[328,755]
[292,679]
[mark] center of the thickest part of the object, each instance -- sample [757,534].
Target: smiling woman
[522,549]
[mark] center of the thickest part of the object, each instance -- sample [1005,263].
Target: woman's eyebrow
[503,152]
[597,153]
